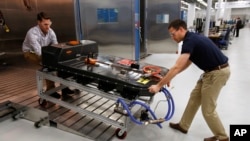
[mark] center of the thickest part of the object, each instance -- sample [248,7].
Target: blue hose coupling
[120,110]
[154,121]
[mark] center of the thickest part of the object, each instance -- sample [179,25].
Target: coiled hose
[126,107]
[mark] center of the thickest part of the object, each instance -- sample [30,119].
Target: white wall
[191,14]
[244,13]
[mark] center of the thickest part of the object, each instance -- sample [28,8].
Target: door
[158,15]
[110,23]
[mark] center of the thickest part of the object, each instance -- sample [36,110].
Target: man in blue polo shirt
[201,51]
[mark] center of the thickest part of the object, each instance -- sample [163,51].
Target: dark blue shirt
[203,52]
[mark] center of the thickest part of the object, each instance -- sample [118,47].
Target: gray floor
[232,103]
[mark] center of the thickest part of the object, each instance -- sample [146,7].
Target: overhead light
[185,8]
[198,8]
[183,2]
[202,2]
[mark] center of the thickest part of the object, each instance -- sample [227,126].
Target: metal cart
[109,89]
[90,102]
[15,111]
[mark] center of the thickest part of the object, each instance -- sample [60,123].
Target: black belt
[218,67]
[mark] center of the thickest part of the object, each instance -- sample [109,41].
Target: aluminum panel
[17,18]
[3,4]
[113,38]
[20,15]
[158,39]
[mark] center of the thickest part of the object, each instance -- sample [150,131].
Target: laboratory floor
[232,105]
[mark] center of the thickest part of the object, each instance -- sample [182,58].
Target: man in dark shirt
[201,51]
[238,26]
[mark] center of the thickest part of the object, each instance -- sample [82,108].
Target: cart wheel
[8,105]
[37,124]
[43,103]
[15,117]
[18,115]
[121,134]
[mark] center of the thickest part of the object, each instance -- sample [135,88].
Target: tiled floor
[233,103]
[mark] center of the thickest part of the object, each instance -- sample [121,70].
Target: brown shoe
[214,138]
[177,126]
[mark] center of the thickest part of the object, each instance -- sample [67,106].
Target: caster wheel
[8,105]
[43,103]
[121,134]
[15,117]
[37,124]
[18,115]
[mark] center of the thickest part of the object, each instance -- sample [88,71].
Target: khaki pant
[35,59]
[205,94]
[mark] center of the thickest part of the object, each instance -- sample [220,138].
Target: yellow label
[143,81]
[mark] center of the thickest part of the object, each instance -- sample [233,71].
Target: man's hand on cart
[156,88]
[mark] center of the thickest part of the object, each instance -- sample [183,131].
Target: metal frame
[16,111]
[69,82]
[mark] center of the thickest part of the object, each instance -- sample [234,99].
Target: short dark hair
[177,23]
[42,15]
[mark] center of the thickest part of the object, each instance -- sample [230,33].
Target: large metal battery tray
[125,76]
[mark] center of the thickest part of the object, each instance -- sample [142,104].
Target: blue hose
[168,116]
[126,107]
[171,106]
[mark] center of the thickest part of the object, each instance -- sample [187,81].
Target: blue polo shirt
[203,52]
